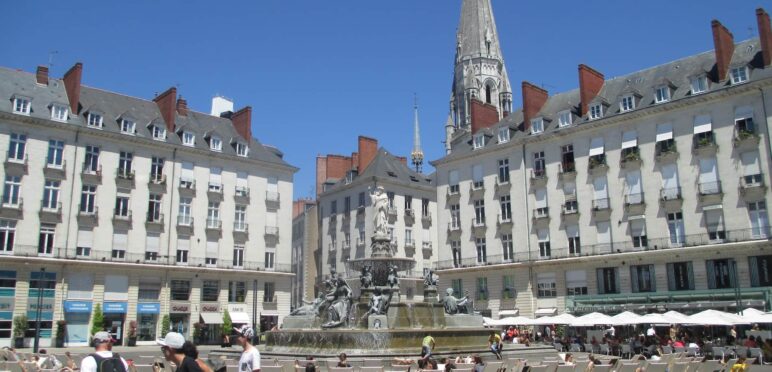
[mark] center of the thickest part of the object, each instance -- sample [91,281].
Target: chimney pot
[41,75]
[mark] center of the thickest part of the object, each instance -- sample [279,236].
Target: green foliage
[61,327]
[227,324]
[165,325]
[98,322]
[20,324]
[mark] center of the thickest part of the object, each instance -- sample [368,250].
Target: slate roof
[386,166]
[677,74]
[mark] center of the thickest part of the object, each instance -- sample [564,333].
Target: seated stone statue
[378,304]
[311,308]
[455,305]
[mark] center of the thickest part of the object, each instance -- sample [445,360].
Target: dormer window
[158,132]
[479,141]
[537,125]
[564,118]
[699,84]
[739,75]
[22,105]
[503,134]
[188,138]
[59,112]
[627,103]
[215,143]
[596,111]
[128,126]
[662,94]
[94,120]
[242,149]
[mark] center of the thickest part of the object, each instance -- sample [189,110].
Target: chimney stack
[483,115]
[220,105]
[72,86]
[765,35]
[242,121]
[590,84]
[166,102]
[723,42]
[368,147]
[41,75]
[321,173]
[182,107]
[534,99]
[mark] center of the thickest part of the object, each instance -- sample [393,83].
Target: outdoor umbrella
[557,319]
[592,319]
[653,318]
[715,317]
[675,317]
[625,318]
[515,320]
[756,316]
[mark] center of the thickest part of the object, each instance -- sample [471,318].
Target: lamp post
[736,282]
[254,312]
[36,345]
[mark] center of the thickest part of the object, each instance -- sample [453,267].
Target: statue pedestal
[300,322]
[377,322]
[395,298]
[430,294]
[463,321]
[380,246]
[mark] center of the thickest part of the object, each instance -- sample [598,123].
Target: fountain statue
[378,304]
[366,279]
[311,308]
[430,280]
[455,305]
[339,298]
[393,279]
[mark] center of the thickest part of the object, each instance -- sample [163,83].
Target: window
[120,244]
[760,270]
[122,206]
[156,170]
[743,121]
[91,162]
[17,147]
[675,225]
[539,164]
[508,287]
[482,289]
[21,105]
[597,152]
[567,159]
[564,118]
[242,149]
[455,216]
[541,203]
[361,202]
[714,222]
[94,120]
[608,280]
[699,84]
[482,251]
[537,125]
[215,143]
[154,208]
[55,153]
[627,103]
[210,290]
[503,171]
[158,132]
[125,165]
[576,283]
[84,243]
[574,244]
[59,112]
[390,197]
[477,177]
[680,276]
[546,285]
[128,126]
[638,233]
[633,187]
[184,218]
[270,256]
[7,235]
[453,187]
[215,179]
[12,190]
[455,249]
[739,74]
[506,208]
[503,134]
[213,215]
[237,291]
[458,287]
[188,138]
[46,240]
[642,278]
[478,141]
[507,247]
[479,212]
[183,247]
[662,94]
[180,290]
[51,194]
[269,293]
[238,256]
[596,111]
[240,219]
[544,243]
[751,169]
[88,199]
[757,212]
[333,207]
[720,273]
[152,246]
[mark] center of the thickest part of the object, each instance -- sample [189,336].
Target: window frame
[215,143]
[627,103]
[537,125]
[95,119]
[565,119]
[59,112]
[188,138]
[735,78]
[662,94]
[596,111]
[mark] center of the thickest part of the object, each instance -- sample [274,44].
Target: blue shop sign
[77,306]
[148,308]
[115,307]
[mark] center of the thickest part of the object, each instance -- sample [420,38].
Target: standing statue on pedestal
[366,279]
[455,305]
[393,279]
[340,304]
[429,279]
[380,202]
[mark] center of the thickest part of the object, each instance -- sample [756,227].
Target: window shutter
[212,248]
[116,288]
[215,175]
[652,278]
[634,278]
[152,243]
[633,179]
[710,272]
[664,132]
[690,271]
[599,278]
[600,188]
[541,198]
[754,270]
[477,173]
[669,176]
[273,184]
[120,241]
[596,146]
[183,244]
[671,280]
[629,139]
[80,285]
[708,171]
[702,124]
[187,171]
[453,177]
[85,238]
[750,162]
[241,179]
[743,112]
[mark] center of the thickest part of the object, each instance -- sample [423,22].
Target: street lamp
[254,311]
[36,346]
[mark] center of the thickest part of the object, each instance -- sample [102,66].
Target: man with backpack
[103,359]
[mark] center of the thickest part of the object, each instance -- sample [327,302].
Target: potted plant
[20,325]
[132,333]
[197,327]
[61,330]
[97,323]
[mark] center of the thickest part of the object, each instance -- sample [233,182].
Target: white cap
[173,340]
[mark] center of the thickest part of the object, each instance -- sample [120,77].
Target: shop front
[40,297]
[77,315]
[114,319]
[179,318]
[210,325]
[239,314]
[147,322]
[7,305]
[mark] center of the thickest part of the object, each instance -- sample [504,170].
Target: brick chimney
[41,75]
[534,99]
[590,84]
[182,106]
[355,161]
[242,121]
[72,86]
[483,115]
[321,173]
[765,35]
[166,102]
[368,147]
[723,42]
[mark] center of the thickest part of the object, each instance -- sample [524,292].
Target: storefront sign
[210,308]
[115,307]
[77,306]
[237,308]
[148,308]
[7,303]
[47,304]
[179,308]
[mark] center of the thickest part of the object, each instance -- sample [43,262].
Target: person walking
[173,349]
[250,357]
[495,344]
[427,346]
[103,359]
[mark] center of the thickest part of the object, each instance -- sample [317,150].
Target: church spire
[417,155]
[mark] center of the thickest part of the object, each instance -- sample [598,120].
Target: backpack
[112,364]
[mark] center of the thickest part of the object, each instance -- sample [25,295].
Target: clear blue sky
[319,73]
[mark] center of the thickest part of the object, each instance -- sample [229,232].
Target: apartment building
[305,238]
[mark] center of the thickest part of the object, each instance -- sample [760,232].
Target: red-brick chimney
[534,99]
[368,147]
[182,106]
[72,86]
[483,115]
[355,161]
[41,75]
[321,173]
[723,42]
[590,84]
[166,102]
[765,35]
[242,121]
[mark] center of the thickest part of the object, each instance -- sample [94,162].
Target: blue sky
[319,73]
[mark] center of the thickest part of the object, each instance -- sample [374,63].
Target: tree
[98,323]
[20,325]
[165,325]
[227,323]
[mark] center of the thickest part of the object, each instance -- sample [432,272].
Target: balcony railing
[92,171]
[20,164]
[184,221]
[665,150]
[187,185]
[709,188]
[122,215]
[56,170]
[704,141]
[478,222]
[501,220]
[634,199]
[272,231]
[567,169]
[670,194]
[570,207]
[601,204]
[213,224]
[540,213]
[477,186]
[426,217]
[155,219]
[454,226]
[272,196]
[745,137]
[409,243]
[241,192]
[241,227]
[597,162]
[454,190]
[13,203]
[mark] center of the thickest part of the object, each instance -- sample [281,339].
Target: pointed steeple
[417,155]
[477,35]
